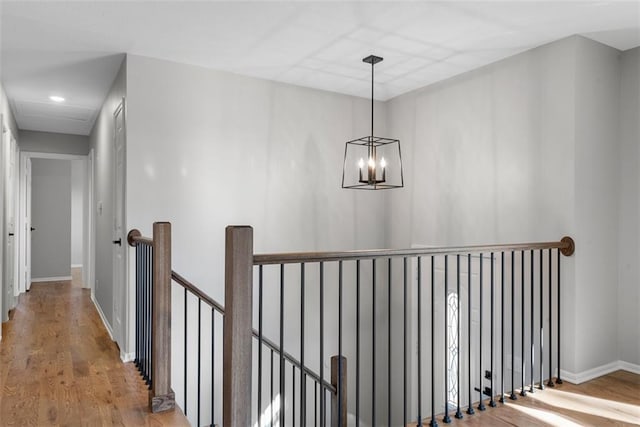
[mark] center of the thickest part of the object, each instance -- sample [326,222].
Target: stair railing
[452,284]
[153,313]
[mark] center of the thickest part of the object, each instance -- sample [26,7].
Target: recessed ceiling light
[56,98]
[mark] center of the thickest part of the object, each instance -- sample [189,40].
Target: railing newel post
[161,397]
[339,398]
[237,326]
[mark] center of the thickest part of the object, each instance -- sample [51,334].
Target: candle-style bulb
[361,163]
[383,163]
[372,163]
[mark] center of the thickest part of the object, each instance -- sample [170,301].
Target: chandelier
[372,162]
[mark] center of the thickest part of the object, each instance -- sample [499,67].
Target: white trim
[590,374]
[58,156]
[127,357]
[76,265]
[102,316]
[629,367]
[50,279]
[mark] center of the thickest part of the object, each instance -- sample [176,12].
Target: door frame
[120,297]
[88,229]
[10,152]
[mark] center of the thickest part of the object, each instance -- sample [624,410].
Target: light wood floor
[611,400]
[58,366]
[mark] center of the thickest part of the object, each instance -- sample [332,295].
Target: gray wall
[51,217]
[101,141]
[48,142]
[629,226]
[207,149]
[596,157]
[527,149]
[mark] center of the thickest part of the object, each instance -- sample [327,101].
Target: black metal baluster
[389,342]
[434,422]
[513,395]
[404,346]
[492,402]
[213,372]
[523,391]
[357,343]
[446,418]
[470,409]
[293,393]
[531,390]
[502,398]
[281,372]
[550,383]
[481,406]
[541,324]
[419,341]
[558,378]
[260,310]
[339,391]
[138,262]
[185,351]
[303,375]
[145,319]
[199,353]
[315,400]
[271,405]
[373,344]
[322,391]
[458,316]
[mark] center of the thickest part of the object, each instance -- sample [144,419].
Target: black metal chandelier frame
[372,179]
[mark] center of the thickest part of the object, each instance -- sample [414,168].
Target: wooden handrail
[267,342]
[134,237]
[197,292]
[273,346]
[566,246]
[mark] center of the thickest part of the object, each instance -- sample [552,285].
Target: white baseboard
[630,367]
[50,279]
[76,265]
[127,357]
[102,316]
[589,374]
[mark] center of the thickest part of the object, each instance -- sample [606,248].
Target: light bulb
[372,163]
[383,163]
[361,163]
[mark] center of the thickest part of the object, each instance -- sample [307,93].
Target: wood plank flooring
[611,400]
[58,366]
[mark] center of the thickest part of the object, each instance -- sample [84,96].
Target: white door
[9,166]
[119,278]
[28,228]
[4,313]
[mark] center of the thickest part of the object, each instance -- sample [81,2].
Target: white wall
[490,158]
[206,149]
[596,205]
[49,142]
[101,141]
[78,177]
[526,149]
[51,218]
[629,209]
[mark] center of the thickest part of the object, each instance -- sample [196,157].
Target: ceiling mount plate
[372,59]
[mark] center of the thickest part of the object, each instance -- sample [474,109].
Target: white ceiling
[74,48]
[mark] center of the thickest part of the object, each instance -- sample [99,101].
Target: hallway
[58,366]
